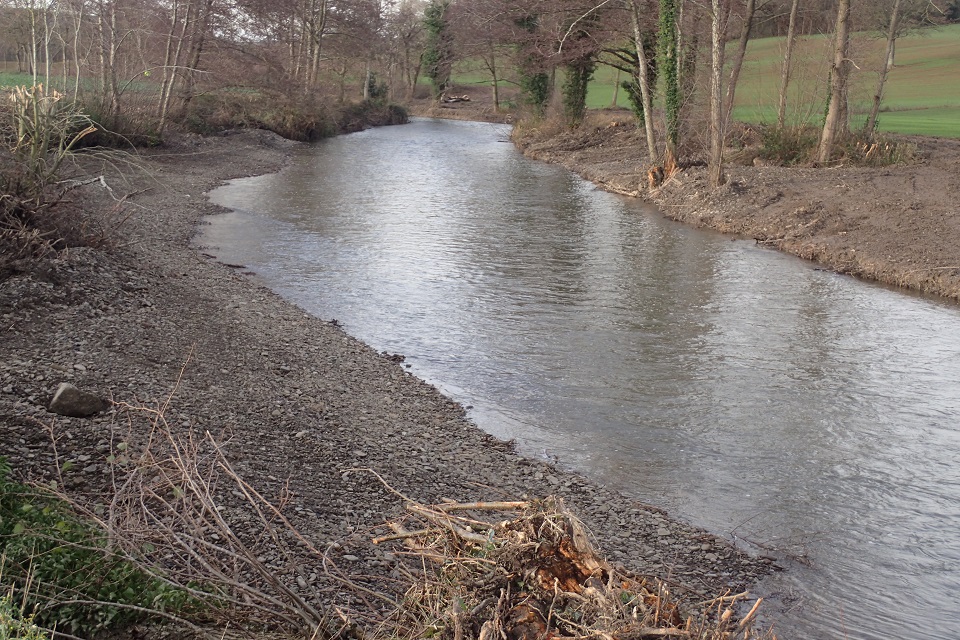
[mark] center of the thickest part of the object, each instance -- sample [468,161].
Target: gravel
[154,320]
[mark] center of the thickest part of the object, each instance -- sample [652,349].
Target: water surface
[788,408]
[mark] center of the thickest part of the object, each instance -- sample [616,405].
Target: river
[795,411]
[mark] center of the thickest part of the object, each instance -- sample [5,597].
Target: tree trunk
[34,46]
[171,61]
[47,35]
[318,27]
[107,27]
[496,80]
[717,119]
[366,82]
[839,74]
[77,24]
[748,14]
[871,125]
[201,22]
[669,65]
[785,71]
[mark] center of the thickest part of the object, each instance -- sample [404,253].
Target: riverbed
[795,411]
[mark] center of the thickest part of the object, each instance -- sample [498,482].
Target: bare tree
[718,30]
[787,60]
[888,59]
[839,75]
[749,11]
[643,80]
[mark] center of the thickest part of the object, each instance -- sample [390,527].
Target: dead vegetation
[176,507]
[536,574]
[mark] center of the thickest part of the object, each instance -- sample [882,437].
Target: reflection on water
[744,391]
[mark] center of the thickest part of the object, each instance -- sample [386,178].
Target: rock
[72,402]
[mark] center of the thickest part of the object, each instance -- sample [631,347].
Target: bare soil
[154,321]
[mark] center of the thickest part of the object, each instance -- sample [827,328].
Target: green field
[922,94]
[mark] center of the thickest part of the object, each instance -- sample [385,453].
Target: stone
[72,402]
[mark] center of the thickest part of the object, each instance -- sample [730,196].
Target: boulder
[72,402]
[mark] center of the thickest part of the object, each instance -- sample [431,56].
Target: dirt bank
[295,398]
[897,225]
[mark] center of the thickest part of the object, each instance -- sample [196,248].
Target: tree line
[158,56]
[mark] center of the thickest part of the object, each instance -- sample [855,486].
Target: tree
[902,15]
[749,11]
[405,31]
[839,75]
[643,80]
[888,59]
[578,75]
[669,72]
[718,30]
[438,56]
[787,61]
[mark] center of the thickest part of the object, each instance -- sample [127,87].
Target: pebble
[354,404]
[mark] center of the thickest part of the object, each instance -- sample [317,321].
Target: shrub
[788,145]
[876,150]
[41,131]
[15,624]
[61,566]
[295,119]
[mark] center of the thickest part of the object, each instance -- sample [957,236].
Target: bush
[60,566]
[296,119]
[39,132]
[876,150]
[131,129]
[15,624]
[789,145]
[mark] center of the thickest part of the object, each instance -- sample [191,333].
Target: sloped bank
[298,402]
[895,225]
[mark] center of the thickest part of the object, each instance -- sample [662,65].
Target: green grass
[603,89]
[13,79]
[922,94]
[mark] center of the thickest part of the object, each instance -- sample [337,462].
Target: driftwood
[534,576]
[450,99]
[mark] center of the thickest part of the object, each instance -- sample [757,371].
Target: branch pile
[535,576]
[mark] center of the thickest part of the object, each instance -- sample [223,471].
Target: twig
[483,506]
[753,611]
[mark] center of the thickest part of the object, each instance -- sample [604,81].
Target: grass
[922,94]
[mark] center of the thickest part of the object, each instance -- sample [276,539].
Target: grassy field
[922,94]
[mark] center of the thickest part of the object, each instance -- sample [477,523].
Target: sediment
[152,320]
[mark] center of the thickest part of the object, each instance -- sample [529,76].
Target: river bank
[894,224]
[298,401]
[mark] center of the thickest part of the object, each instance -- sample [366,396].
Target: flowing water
[788,408]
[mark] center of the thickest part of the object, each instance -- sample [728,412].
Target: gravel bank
[296,399]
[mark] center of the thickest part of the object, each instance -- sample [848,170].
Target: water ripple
[801,411]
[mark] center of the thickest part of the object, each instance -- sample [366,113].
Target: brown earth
[154,321]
